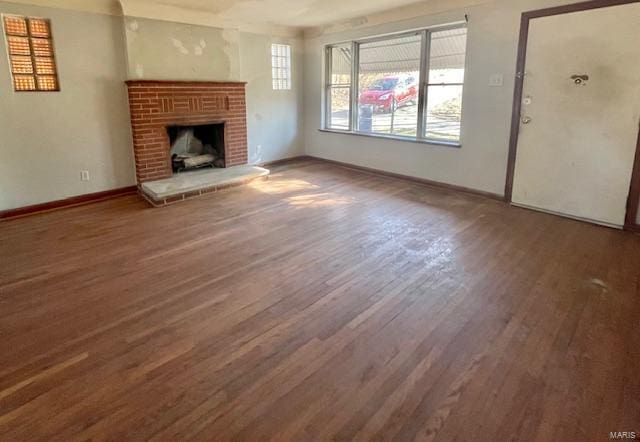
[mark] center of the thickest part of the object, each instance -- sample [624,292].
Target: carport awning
[403,54]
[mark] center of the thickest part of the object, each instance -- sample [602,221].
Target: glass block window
[281,67]
[31,56]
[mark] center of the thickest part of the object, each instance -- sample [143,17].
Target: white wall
[163,50]
[481,162]
[47,138]
[274,118]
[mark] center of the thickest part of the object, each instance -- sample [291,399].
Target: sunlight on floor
[320,199]
[300,192]
[277,186]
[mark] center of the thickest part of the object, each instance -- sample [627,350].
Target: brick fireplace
[158,105]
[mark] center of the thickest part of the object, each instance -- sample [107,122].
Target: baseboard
[635,228]
[423,181]
[67,202]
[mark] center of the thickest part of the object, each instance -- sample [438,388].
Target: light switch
[496,80]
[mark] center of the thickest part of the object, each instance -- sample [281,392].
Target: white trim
[564,215]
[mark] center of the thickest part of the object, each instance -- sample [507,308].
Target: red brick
[154,105]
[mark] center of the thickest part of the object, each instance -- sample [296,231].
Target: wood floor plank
[321,304]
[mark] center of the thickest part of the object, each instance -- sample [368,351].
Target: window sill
[394,138]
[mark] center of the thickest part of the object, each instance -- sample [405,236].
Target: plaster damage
[231,49]
[168,50]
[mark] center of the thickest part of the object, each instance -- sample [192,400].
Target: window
[31,55]
[388,71]
[339,87]
[443,114]
[281,67]
[408,85]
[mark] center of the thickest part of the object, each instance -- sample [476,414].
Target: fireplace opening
[196,147]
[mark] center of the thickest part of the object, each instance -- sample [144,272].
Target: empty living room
[301,220]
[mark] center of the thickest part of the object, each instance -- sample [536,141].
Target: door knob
[525,120]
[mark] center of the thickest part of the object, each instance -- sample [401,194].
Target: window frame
[423,82]
[32,52]
[287,79]
[329,86]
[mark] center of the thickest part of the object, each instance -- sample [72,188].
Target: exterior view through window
[399,93]
[338,91]
[388,75]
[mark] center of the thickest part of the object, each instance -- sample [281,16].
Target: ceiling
[273,17]
[293,13]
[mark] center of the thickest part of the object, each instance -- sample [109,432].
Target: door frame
[634,191]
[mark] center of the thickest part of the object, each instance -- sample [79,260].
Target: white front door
[580,114]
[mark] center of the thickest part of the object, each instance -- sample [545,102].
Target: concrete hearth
[189,184]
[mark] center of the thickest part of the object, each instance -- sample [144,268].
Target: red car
[388,93]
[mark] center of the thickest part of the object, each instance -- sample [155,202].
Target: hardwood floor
[324,303]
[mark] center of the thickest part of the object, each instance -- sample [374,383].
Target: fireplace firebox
[196,147]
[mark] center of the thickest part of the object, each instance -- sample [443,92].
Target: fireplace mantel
[157,104]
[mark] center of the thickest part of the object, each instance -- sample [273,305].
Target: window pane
[15,25]
[24,83]
[45,66]
[47,83]
[41,47]
[388,80]
[444,108]
[338,105]
[21,64]
[339,87]
[18,46]
[444,99]
[340,65]
[39,27]
[446,56]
